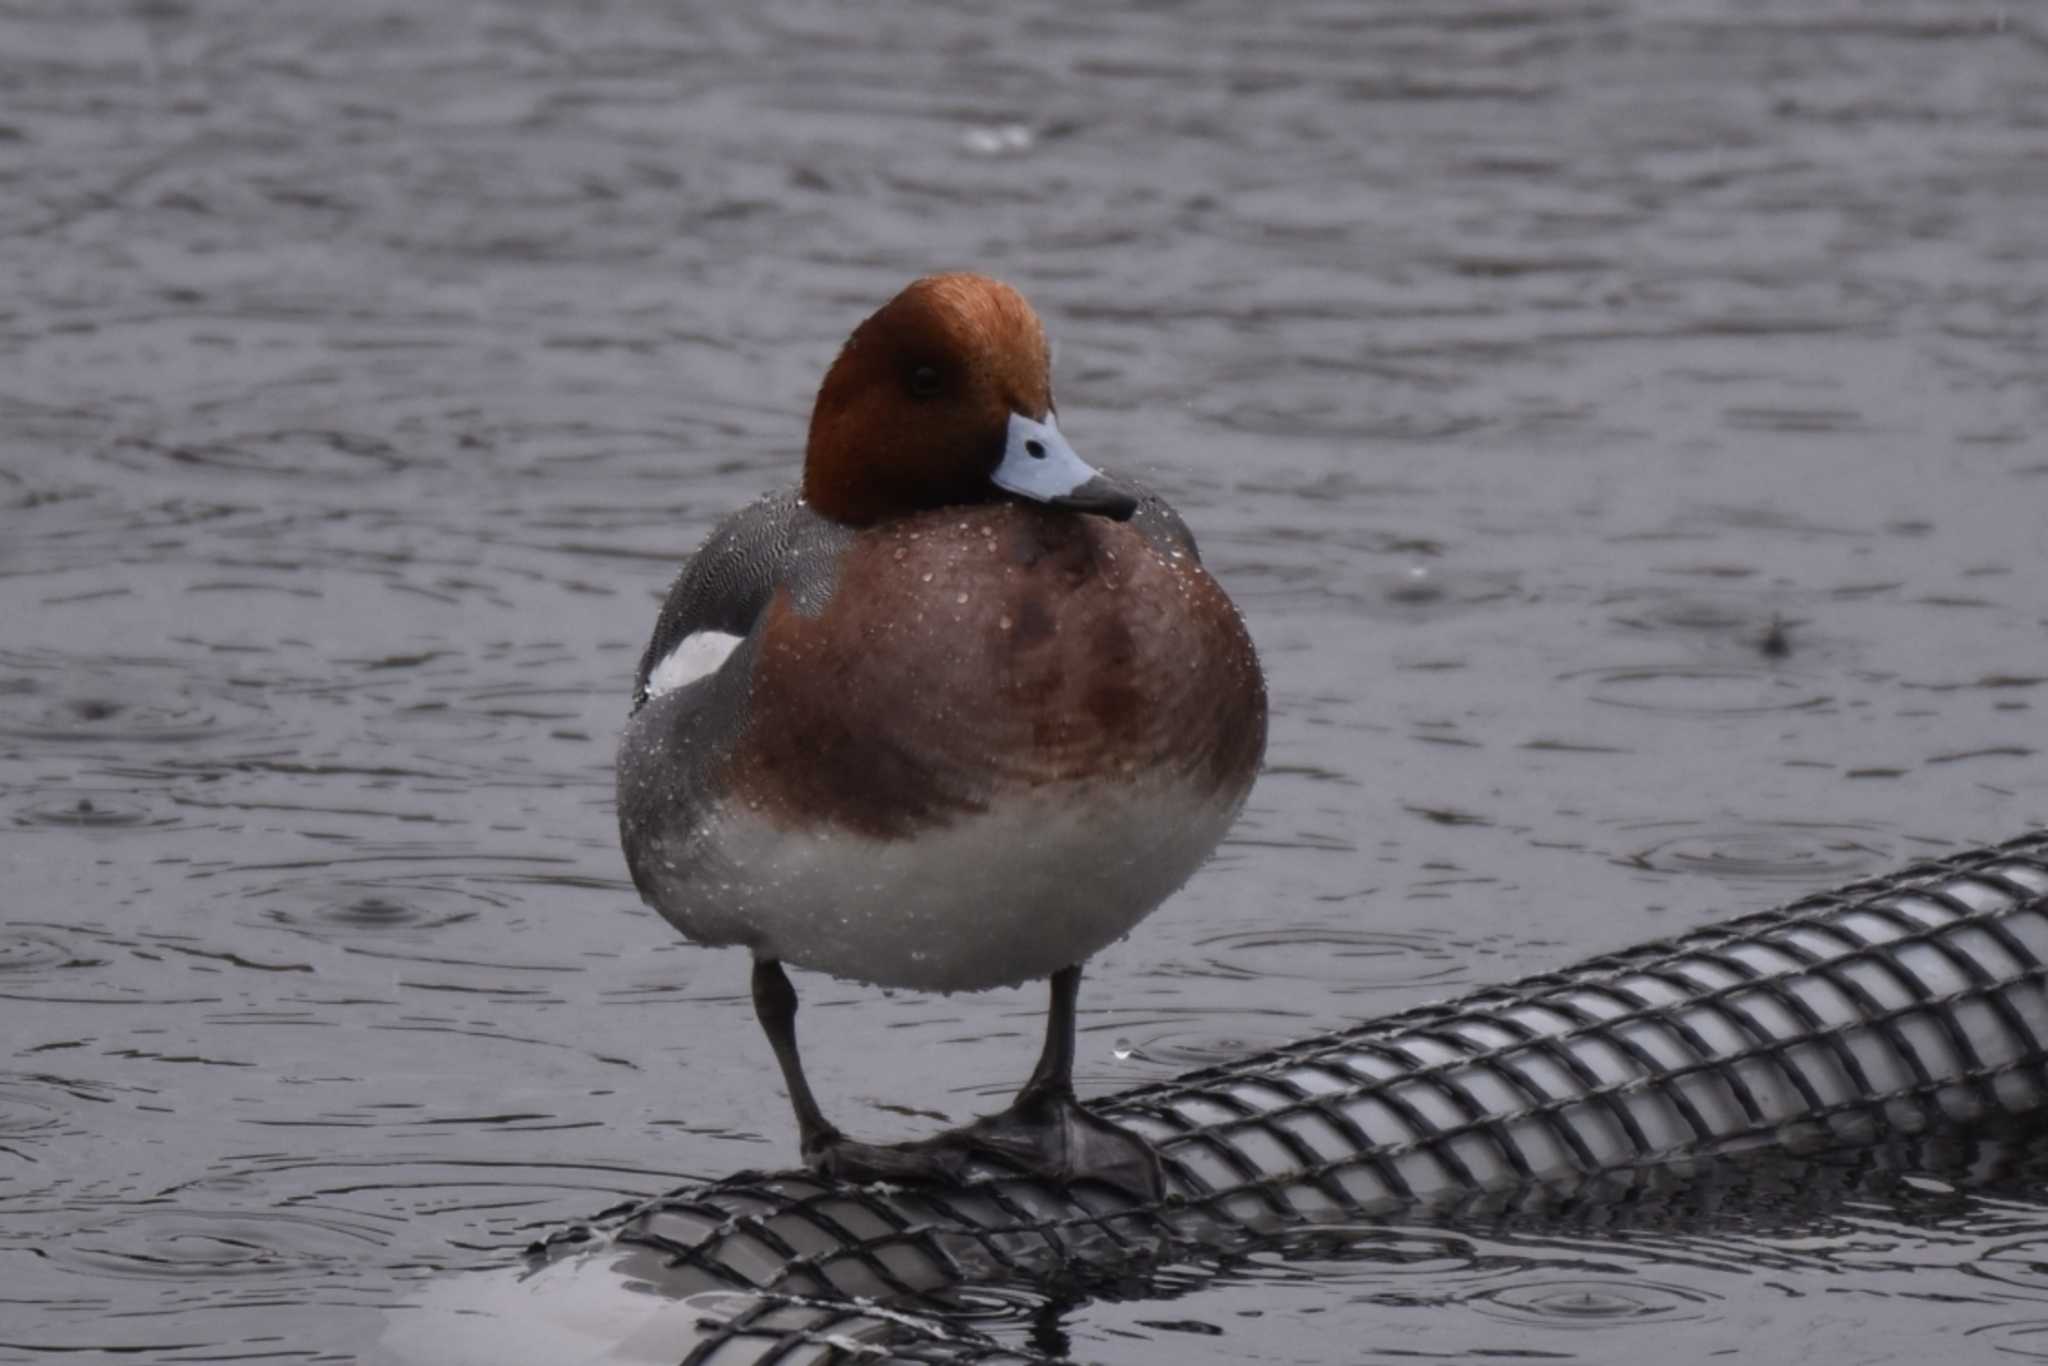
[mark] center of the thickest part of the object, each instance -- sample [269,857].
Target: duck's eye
[924,381]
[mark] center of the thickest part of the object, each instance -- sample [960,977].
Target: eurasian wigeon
[954,714]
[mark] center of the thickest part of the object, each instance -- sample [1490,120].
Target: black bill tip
[1100,498]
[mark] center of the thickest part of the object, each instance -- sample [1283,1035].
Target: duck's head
[944,396]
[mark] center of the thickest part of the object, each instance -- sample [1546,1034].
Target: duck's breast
[970,656]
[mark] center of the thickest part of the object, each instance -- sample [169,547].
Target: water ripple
[1329,953]
[198,1245]
[93,810]
[2019,1262]
[1592,1303]
[294,454]
[117,701]
[1375,1253]
[1177,1050]
[1812,854]
[1683,690]
[32,951]
[104,717]
[402,902]
[34,1105]
[2026,1339]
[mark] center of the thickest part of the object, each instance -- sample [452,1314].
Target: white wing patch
[697,654]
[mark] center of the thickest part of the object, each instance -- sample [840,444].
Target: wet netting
[1912,1004]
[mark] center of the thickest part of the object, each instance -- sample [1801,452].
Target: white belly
[1004,897]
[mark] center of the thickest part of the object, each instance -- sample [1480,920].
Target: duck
[954,711]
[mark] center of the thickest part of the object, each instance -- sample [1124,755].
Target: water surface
[1622,425]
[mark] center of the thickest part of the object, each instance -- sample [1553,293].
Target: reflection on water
[1711,1262]
[1707,1259]
[1522,371]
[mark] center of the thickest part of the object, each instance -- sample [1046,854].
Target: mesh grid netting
[1909,1004]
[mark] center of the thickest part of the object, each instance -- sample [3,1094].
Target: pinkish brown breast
[968,654]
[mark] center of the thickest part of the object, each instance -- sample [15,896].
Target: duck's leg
[1048,1133]
[1045,1132]
[824,1148]
[1054,1075]
[775,1006]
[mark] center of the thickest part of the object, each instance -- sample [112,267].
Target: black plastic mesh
[1902,1005]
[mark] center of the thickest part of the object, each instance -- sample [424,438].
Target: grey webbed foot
[929,1161]
[1050,1135]
[1047,1135]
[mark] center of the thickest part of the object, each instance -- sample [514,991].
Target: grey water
[1624,426]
